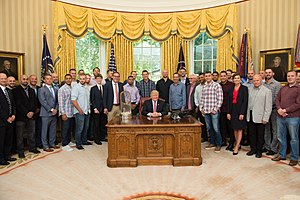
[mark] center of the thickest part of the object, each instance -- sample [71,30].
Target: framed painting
[279,60]
[12,64]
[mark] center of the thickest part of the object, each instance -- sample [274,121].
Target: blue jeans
[292,124]
[66,131]
[213,127]
[81,128]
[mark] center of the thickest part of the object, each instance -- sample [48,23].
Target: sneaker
[278,158]
[210,146]
[217,149]
[67,148]
[270,153]
[71,144]
[293,162]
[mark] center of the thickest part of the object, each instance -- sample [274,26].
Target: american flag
[47,64]
[112,60]
[181,62]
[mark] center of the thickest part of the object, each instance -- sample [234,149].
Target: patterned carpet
[83,175]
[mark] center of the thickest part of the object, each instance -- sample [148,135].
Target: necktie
[52,92]
[26,91]
[8,101]
[189,101]
[100,90]
[154,106]
[116,93]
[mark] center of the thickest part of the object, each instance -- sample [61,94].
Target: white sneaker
[67,148]
[71,144]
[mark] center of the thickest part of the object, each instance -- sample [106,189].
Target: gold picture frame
[280,60]
[16,62]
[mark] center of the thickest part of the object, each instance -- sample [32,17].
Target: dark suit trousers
[204,134]
[6,137]
[100,130]
[256,134]
[20,127]
[38,130]
[226,130]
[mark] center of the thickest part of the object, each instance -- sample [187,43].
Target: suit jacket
[192,96]
[160,108]
[47,101]
[242,101]
[96,99]
[262,107]
[108,101]
[4,107]
[24,103]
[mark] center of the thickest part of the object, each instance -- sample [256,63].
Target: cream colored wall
[273,24]
[21,30]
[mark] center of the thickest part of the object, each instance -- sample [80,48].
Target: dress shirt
[177,96]
[198,94]
[51,90]
[3,88]
[134,93]
[81,94]
[190,95]
[64,101]
[116,98]
[183,80]
[212,97]
[34,88]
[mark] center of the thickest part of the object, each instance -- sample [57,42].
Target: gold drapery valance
[219,22]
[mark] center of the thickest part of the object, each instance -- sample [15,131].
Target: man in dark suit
[154,107]
[7,117]
[49,106]
[183,78]
[100,119]
[26,105]
[38,121]
[190,92]
[112,101]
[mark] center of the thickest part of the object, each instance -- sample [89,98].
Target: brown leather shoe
[293,162]
[278,158]
[55,147]
[48,150]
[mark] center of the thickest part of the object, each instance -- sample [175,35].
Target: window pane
[198,53]
[197,67]
[207,66]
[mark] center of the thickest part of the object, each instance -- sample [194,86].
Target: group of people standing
[226,107]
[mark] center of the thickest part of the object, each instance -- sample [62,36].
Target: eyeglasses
[117,76]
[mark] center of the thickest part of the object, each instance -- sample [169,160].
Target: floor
[83,175]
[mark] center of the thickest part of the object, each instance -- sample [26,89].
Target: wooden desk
[145,141]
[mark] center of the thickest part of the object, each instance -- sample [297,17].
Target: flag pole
[44,28]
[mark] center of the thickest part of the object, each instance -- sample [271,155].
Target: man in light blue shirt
[80,97]
[177,94]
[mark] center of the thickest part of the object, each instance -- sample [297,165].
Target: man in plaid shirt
[146,86]
[210,104]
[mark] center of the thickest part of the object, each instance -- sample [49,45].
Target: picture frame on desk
[16,61]
[279,60]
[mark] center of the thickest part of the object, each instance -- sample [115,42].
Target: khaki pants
[115,111]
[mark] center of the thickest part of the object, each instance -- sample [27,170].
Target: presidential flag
[245,58]
[181,62]
[112,60]
[47,64]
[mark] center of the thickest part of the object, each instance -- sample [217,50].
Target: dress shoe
[21,155]
[48,150]
[34,151]
[258,155]
[235,153]
[55,147]
[103,140]
[79,147]
[270,153]
[88,143]
[229,147]
[99,143]
[251,153]
[224,144]
[293,162]
[4,162]
[278,158]
[264,150]
[10,159]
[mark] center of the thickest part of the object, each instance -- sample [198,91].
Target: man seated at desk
[154,107]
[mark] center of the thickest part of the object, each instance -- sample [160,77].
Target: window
[147,57]
[90,53]
[205,54]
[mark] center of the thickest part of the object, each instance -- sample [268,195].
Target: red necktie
[154,109]
[117,93]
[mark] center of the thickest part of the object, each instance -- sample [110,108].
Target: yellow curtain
[123,28]
[124,55]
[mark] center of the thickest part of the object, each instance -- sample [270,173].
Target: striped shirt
[64,101]
[212,97]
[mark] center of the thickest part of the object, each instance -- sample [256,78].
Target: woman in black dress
[237,109]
